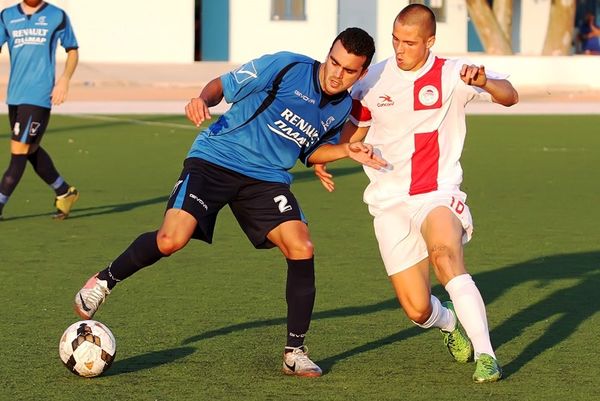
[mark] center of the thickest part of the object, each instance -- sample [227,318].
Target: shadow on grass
[573,305]
[79,213]
[148,360]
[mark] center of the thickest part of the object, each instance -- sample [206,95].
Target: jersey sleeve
[67,35]
[472,92]
[254,76]
[3,32]
[360,115]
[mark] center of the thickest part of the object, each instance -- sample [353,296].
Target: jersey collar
[413,75]
[36,11]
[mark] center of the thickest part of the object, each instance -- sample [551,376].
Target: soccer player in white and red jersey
[411,108]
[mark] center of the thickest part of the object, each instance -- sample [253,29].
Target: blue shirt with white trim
[32,41]
[278,115]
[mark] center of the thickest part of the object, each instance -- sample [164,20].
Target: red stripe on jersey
[427,92]
[424,163]
[360,112]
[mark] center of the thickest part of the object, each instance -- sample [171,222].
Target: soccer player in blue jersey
[32,30]
[284,107]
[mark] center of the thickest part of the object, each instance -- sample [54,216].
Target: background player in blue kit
[32,30]
[285,107]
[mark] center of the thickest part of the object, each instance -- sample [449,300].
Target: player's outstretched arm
[350,133]
[61,88]
[501,90]
[357,151]
[197,108]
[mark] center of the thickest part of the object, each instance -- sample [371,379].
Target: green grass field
[209,322]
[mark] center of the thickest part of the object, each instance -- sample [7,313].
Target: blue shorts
[259,206]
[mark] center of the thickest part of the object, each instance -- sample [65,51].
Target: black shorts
[259,206]
[28,122]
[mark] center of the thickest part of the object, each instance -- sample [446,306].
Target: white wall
[252,33]
[139,31]
[551,72]
[534,25]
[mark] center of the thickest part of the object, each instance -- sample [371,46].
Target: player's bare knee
[418,316]
[301,249]
[169,244]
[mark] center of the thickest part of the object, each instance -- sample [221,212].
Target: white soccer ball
[87,348]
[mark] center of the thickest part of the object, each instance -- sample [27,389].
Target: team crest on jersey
[428,95]
[327,123]
[41,20]
[385,101]
[245,72]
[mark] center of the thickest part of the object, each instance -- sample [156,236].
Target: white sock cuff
[436,308]
[457,282]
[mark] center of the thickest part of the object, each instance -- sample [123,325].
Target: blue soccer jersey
[278,115]
[32,41]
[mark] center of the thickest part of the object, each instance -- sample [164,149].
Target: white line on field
[189,126]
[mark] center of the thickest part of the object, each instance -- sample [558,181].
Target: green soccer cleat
[458,343]
[64,203]
[487,370]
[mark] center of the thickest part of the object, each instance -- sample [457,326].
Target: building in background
[184,31]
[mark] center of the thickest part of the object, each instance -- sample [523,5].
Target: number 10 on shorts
[457,205]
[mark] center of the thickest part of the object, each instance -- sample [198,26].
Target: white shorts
[398,227]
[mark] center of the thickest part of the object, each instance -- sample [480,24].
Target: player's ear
[429,42]
[363,73]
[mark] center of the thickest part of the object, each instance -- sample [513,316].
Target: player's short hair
[358,42]
[418,14]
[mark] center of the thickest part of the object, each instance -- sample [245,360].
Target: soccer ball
[87,348]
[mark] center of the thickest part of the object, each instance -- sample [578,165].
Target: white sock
[470,310]
[440,317]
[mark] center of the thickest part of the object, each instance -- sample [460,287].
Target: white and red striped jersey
[417,122]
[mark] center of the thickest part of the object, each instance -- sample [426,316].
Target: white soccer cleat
[90,297]
[297,363]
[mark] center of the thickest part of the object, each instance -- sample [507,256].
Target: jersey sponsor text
[307,134]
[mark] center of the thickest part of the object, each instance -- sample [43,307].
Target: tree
[559,36]
[492,35]
[503,11]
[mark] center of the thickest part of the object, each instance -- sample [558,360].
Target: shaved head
[419,15]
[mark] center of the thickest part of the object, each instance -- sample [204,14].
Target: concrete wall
[554,73]
[155,31]
[252,33]
[148,31]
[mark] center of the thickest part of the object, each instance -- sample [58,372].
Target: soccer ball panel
[87,348]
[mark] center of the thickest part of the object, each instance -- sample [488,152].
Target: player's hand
[363,153]
[473,75]
[59,92]
[197,111]
[325,177]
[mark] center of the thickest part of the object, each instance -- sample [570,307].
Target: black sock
[141,253]
[300,296]
[13,174]
[43,166]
